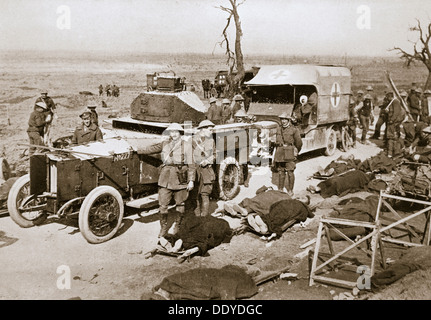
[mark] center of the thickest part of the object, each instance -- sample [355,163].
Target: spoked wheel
[101,214]
[331,142]
[24,209]
[346,139]
[228,178]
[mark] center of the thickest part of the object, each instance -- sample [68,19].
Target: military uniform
[415,106]
[289,143]
[226,114]
[176,172]
[352,123]
[383,119]
[35,131]
[365,116]
[396,115]
[214,113]
[85,134]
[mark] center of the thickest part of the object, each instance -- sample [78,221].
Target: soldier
[100,90]
[238,103]
[176,176]
[226,112]
[50,110]
[36,124]
[240,116]
[359,97]
[108,90]
[365,115]
[204,153]
[425,114]
[214,111]
[382,120]
[289,143]
[415,104]
[94,116]
[396,115]
[370,91]
[87,131]
[353,122]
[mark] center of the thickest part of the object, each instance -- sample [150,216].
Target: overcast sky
[311,27]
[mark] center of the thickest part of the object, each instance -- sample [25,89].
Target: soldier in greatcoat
[396,115]
[87,131]
[204,153]
[289,143]
[214,112]
[176,176]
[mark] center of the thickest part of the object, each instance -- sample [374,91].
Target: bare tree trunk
[428,83]
[238,51]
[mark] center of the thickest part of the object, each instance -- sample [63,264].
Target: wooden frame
[377,236]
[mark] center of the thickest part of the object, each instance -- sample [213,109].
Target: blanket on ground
[228,283]
[350,182]
[263,201]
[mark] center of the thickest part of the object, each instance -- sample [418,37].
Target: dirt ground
[33,260]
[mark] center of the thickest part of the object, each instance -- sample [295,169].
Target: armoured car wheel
[331,142]
[228,178]
[23,216]
[101,214]
[346,139]
[4,169]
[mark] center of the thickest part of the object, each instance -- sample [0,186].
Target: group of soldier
[403,118]
[43,114]
[211,90]
[227,112]
[113,90]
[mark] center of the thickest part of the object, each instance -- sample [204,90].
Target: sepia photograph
[233,151]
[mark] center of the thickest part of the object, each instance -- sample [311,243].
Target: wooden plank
[352,223]
[399,217]
[316,253]
[342,283]
[328,238]
[410,244]
[405,199]
[367,252]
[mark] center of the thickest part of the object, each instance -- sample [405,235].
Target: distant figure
[115,91]
[226,112]
[183,83]
[206,86]
[94,116]
[192,88]
[100,90]
[87,131]
[214,111]
[108,90]
[365,115]
[213,91]
[36,124]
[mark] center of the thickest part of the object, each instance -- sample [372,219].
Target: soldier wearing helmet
[214,111]
[204,154]
[94,116]
[226,111]
[288,145]
[240,116]
[36,125]
[396,115]
[239,104]
[87,131]
[176,176]
[414,104]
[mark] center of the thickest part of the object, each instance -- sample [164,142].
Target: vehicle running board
[144,203]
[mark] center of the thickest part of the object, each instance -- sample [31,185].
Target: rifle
[388,77]
[59,149]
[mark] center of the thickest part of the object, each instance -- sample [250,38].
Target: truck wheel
[228,178]
[101,214]
[21,216]
[346,140]
[331,142]
[4,169]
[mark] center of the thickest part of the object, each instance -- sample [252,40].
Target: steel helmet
[205,124]
[86,114]
[238,97]
[213,100]
[369,88]
[226,101]
[284,115]
[174,127]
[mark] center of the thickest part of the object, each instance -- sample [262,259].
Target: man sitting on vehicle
[87,131]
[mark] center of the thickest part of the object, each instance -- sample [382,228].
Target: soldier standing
[204,153]
[289,143]
[415,104]
[50,110]
[108,90]
[176,176]
[226,112]
[100,90]
[214,111]
[238,104]
[352,123]
[396,115]
[382,120]
[94,116]
[365,116]
[36,124]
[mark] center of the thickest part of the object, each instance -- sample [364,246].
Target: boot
[163,225]
[281,179]
[205,205]
[179,219]
[197,210]
[289,183]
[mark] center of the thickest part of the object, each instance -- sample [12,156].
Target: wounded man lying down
[280,213]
